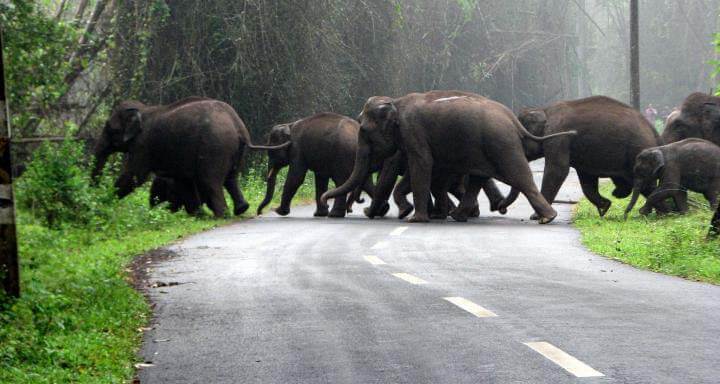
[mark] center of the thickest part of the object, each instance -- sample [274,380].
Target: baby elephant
[690,164]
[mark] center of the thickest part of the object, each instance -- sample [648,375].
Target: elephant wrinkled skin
[452,132]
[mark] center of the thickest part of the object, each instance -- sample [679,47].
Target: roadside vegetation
[672,244]
[78,319]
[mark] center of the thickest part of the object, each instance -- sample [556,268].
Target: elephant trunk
[270,191]
[101,153]
[633,200]
[357,178]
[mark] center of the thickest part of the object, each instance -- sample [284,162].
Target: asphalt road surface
[495,300]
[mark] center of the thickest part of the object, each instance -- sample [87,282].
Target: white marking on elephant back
[564,360]
[410,278]
[445,99]
[374,260]
[471,307]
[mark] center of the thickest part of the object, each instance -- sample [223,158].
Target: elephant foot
[321,213]
[419,219]
[384,210]
[336,213]
[535,217]
[475,211]
[405,211]
[546,220]
[282,211]
[368,211]
[241,209]
[602,209]
[438,215]
[459,216]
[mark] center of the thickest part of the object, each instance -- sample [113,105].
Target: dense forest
[70,61]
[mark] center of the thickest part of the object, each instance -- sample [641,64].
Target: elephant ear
[132,124]
[389,113]
[711,118]
[658,160]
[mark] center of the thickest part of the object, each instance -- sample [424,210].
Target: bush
[56,188]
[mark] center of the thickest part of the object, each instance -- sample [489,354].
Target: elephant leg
[213,191]
[295,178]
[420,167]
[555,173]
[623,187]
[589,184]
[321,186]
[715,225]
[187,195]
[340,205]
[656,199]
[231,185]
[439,187]
[402,189]
[494,195]
[514,170]
[384,187]
[680,199]
[469,199]
[712,195]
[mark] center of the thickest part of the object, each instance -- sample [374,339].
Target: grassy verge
[672,244]
[78,318]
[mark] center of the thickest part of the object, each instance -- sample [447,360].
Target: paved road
[495,300]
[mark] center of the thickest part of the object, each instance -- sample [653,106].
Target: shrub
[56,188]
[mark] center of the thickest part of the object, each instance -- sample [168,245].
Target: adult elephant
[699,118]
[196,140]
[610,135]
[325,144]
[450,132]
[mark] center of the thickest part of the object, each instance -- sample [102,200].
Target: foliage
[56,189]
[78,318]
[673,244]
[36,50]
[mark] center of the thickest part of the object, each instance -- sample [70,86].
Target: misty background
[277,60]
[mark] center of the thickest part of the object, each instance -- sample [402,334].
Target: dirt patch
[140,268]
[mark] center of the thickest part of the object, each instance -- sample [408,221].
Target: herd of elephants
[438,142]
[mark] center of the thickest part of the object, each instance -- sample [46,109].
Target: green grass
[78,319]
[672,244]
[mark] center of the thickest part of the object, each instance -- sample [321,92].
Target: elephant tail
[529,135]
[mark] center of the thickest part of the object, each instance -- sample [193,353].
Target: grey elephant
[686,165]
[610,134]
[178,194]
[198,142]
[452,132]
[325,144]
[699,118]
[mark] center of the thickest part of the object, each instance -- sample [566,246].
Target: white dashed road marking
[381,245]
[567,362]
[398,231]
[470,307]
[409,278]
[374,260]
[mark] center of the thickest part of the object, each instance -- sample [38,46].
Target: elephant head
[648,168]
[123,126]
[535,121]
[277,159]
[699,117]
[377,140]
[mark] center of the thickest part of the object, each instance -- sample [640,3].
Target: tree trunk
[9,268]
[634,54]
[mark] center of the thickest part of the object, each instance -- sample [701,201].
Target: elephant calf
[690,164]
[178,193]
[324,143]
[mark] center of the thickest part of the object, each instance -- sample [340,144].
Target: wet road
[495,300]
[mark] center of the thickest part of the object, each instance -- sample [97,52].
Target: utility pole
[9,268]
[635,54]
